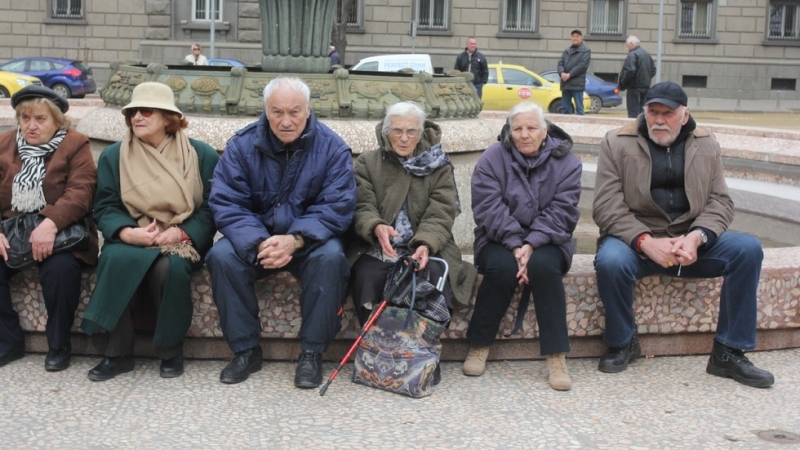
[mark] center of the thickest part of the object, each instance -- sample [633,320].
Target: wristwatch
[298,241]
[703,236]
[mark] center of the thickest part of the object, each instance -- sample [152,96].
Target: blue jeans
[734,256]
[567,97]
[479,88]
[323,272]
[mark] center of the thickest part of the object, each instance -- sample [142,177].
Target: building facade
[748,49]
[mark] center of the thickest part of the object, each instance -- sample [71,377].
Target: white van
[394,63]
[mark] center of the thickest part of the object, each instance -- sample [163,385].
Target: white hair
[403,109]
[296,84]
[525,107]
[632,40]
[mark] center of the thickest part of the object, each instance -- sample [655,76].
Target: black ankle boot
[729,362]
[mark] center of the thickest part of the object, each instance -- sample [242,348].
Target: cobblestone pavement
[658,403]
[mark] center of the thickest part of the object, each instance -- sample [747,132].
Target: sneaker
[308,373]
[475,364]
[557,367]
[729,362]
[616,359]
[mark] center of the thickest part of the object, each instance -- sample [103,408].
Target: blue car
[602,93]
[225,62]
[67,77]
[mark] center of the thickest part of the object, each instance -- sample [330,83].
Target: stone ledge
[668,310]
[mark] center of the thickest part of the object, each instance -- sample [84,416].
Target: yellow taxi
[12,82]
[510,84]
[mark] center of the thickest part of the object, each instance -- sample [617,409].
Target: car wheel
[555,107]
[597,104]
[3,92]
[61,89]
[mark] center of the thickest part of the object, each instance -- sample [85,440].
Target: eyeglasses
[399,132]
[196,48]
[145,112]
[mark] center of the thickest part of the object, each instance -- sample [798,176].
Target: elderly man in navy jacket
[283,195]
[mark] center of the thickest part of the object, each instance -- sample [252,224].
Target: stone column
[295,35]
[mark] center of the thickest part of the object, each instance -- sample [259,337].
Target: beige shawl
[161,183]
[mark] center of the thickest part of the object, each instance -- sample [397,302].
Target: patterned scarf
[427,162]
[26,192]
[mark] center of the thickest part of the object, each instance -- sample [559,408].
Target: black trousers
[121,338]
[546,268]
[368,280]
[634,100]
[60,277]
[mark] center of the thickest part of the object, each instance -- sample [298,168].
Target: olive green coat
[122,267]
[382,185]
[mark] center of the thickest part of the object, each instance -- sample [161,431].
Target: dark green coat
[382,185]
[122,267]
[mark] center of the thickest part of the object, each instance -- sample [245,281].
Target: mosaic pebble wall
[664,305]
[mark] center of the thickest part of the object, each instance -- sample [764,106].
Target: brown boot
[559,378]
[475,364]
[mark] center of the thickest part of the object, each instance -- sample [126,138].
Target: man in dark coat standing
[637,72]
[334,55]
[572,69]
[473,61]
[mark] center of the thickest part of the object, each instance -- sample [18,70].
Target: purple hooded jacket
[518,200]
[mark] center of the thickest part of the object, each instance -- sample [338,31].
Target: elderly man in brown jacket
[662,206]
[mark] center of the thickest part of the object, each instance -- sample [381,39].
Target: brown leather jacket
[69,183]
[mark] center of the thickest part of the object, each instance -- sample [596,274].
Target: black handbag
[18,229]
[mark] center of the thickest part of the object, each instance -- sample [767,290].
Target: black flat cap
[667,93]
[33,91]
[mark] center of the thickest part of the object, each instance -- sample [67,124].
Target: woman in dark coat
[48,168]
[152,208]
[406,203]
[525,192]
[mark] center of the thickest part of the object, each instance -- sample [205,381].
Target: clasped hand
[276,251]
[150,236]
[672,251]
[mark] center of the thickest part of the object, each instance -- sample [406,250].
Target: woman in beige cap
[45,168]
[152,208]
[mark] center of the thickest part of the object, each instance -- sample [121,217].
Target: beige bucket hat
[153,94]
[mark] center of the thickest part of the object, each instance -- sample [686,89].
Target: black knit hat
[33,91]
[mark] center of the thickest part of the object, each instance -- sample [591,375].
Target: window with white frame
[783,21]
[66,9]
[695,19]
[356,14]
[607,17]
[201,10]
[519,15]
[432,14]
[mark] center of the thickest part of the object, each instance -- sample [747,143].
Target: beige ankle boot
[475,364]
[559,378]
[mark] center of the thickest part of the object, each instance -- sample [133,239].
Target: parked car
[11,82]
[602,93]
[393,63]
[510,84]
[67,77]
[225,62]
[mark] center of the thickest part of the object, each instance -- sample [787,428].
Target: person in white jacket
[195,58]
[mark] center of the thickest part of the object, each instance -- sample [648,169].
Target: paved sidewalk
[665,402]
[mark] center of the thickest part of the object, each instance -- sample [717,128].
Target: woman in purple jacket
[525,192]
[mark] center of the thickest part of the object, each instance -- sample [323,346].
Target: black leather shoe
[308,373]
[11,355]
[437,375]
[616,359]
[729,362]
[110,367]
[171,368]
[57,359]
[241,366]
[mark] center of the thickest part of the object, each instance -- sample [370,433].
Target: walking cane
[409,268]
